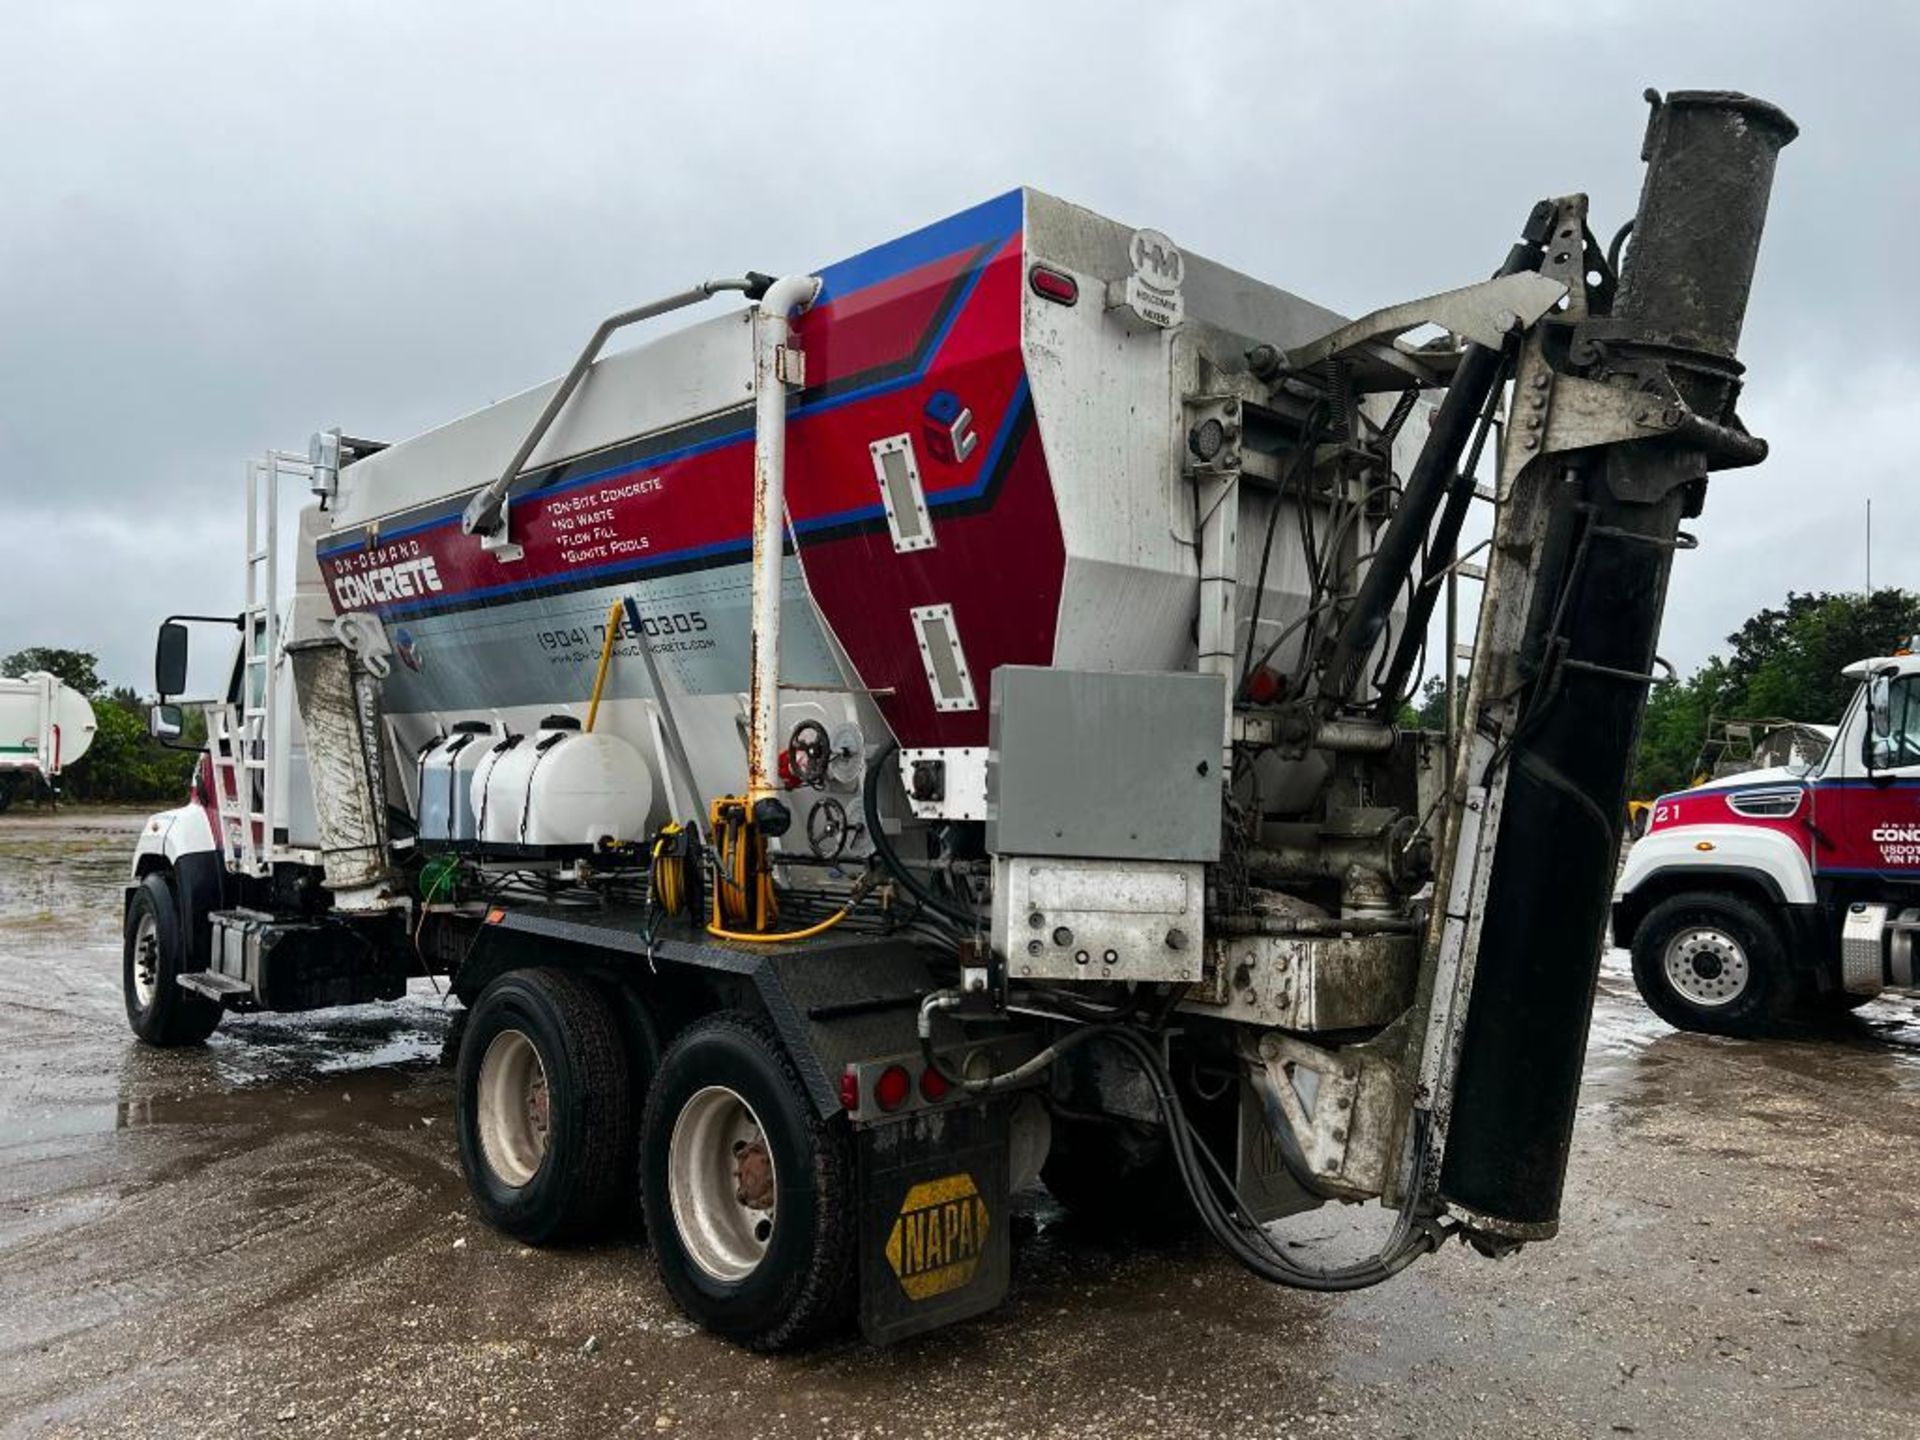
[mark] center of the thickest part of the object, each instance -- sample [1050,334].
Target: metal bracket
[1336,1108]
[1485,313]
[499,542]
[790,366]
[1584,413]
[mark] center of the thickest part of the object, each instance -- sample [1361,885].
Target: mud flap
[933,1220]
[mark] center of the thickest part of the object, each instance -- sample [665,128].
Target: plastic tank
[561,787]
[446,782]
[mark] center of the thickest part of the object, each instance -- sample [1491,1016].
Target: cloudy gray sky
[223,226]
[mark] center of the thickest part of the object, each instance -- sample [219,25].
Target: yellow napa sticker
[936,1244]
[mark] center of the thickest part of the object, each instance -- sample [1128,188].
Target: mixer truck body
[933,728]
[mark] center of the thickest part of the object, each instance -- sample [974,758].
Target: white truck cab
[1787,891]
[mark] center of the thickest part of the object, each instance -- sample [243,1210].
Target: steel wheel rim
[1707,967]
[146,961]
[722,1183]
[515,1108]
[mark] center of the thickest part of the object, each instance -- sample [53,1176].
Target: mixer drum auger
[1589,651]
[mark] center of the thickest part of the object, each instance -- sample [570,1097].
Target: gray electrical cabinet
[1105,764]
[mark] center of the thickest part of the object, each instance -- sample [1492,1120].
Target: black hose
[889,857]
[1206,1180]
[1240,1236]
[1439,554]
[1474,378]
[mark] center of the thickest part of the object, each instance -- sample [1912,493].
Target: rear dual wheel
[749,1191]
[545,1108]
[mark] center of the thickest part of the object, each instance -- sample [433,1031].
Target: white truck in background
[45,726]
[1791,890]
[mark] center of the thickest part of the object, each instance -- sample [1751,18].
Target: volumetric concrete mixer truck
[933,728]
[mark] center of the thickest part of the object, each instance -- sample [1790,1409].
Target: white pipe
[1219,596]
[770,337]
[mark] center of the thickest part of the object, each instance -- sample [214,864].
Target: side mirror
[170,660]
[1877,752]
[165,723]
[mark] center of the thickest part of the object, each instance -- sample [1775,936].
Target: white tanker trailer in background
[45,726]
[933,728]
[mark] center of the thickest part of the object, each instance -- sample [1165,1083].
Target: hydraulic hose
[1205,1179]
[806,934]
[1433,476]
[889,857]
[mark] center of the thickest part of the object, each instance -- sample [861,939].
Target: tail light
[1054,285]
[893,1087]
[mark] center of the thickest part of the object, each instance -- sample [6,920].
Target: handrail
[485,514]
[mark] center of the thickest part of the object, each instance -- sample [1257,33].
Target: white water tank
[44,725]
[446,781]
[561,786]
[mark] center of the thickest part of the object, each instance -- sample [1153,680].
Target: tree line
[1783,663]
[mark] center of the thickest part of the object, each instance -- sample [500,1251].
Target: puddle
[256,1049]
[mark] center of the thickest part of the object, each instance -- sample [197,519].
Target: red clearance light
[933,1086]
[1264,686]
[849,1089]
[1054,285]
[893,1087]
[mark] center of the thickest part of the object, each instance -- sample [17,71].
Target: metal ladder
[242,733]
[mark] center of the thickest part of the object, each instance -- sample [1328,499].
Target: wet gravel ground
[269,1237]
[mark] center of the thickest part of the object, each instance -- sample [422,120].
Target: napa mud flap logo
[936,1244]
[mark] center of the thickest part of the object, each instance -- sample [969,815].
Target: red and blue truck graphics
[921,336]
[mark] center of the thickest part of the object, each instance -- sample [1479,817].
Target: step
[213,985]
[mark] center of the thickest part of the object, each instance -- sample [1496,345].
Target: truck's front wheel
[1713,963]
[749,1190]
[160,1011]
